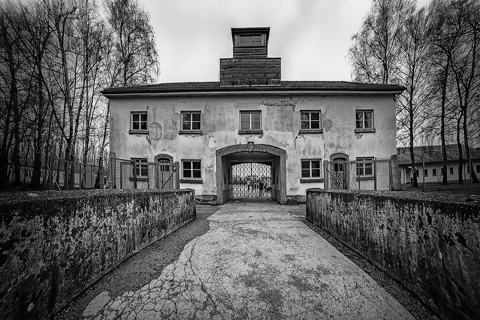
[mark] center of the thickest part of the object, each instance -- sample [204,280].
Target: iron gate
[252,180]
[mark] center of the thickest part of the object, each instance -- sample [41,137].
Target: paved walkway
[257,261]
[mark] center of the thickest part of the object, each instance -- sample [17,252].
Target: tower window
[250,41]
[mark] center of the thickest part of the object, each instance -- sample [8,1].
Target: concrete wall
[428,242]
[280,123]
[56,245]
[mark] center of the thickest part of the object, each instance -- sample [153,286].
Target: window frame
[363,161]
[191,179]
[138,171]
[190,131]
[477,167]
[139,130]
[310,130]
[311,178]
[363,129]
[451,171]
[425,172]
[434,172]
[250,130]
[249,36]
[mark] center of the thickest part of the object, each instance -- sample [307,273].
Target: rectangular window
[364,166]
[191,169]
[310,120]
[250,120]
[311,168]
[425,173]
[140,167]
[191,120]
[478,168]
[451,170]
[364,119]
[138,121]
[250,40]
[434,172]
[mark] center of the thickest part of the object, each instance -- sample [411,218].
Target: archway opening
[251,172]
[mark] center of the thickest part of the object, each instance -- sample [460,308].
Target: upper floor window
[250,41]
[250,120]
[310,120]
[364,121]
[191,120]
[364,166]
[311,168]
[140,167]
[138,121]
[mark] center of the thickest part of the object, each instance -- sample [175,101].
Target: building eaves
[190,87]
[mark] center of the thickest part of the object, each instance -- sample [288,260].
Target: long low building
[252,134]
[429,163]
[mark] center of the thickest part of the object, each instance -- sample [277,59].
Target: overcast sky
[311,36]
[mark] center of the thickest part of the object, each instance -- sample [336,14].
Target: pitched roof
[434,153]
[179,87]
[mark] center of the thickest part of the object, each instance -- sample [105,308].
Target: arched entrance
[263,156]
[339,171]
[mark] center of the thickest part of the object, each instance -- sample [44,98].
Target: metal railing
[371,174]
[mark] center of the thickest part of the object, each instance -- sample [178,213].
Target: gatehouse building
[250,134]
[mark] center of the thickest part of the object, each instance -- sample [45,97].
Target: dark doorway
[164,172]
[339,173]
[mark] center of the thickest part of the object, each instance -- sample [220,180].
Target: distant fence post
[325,174]
[394,173]
[375,174]
[111,171]
[176,182]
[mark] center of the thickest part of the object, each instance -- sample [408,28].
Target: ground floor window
[191,169]
[311,168]
[478,168]
[425,173]
[364,166]
[451,170]
[434,172]
[140,167]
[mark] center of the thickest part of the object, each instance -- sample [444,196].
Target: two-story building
[250,133]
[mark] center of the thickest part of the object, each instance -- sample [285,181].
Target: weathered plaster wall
[429,242]
[56,245]
[280,124]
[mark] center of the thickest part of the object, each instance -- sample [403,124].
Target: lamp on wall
[250,146]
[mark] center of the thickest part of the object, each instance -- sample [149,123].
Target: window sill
[310,131]
[138,131]
[195,132]
[189,180]
[311,180]
[365,178]
[250,131]
[138,178]
[359,130]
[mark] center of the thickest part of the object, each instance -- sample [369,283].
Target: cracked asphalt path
[257,261]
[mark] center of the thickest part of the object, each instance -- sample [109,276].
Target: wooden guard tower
[250,65]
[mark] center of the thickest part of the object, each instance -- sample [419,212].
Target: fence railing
[59,174]
[132,174]
[368,174]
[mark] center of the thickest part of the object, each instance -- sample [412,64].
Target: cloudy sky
[311,36]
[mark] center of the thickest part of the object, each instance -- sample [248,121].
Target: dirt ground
[453,188]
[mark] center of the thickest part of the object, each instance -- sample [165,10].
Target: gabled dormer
[250,65]
[250,42]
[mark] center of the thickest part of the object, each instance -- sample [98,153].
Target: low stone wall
[57,244]
[428,242]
